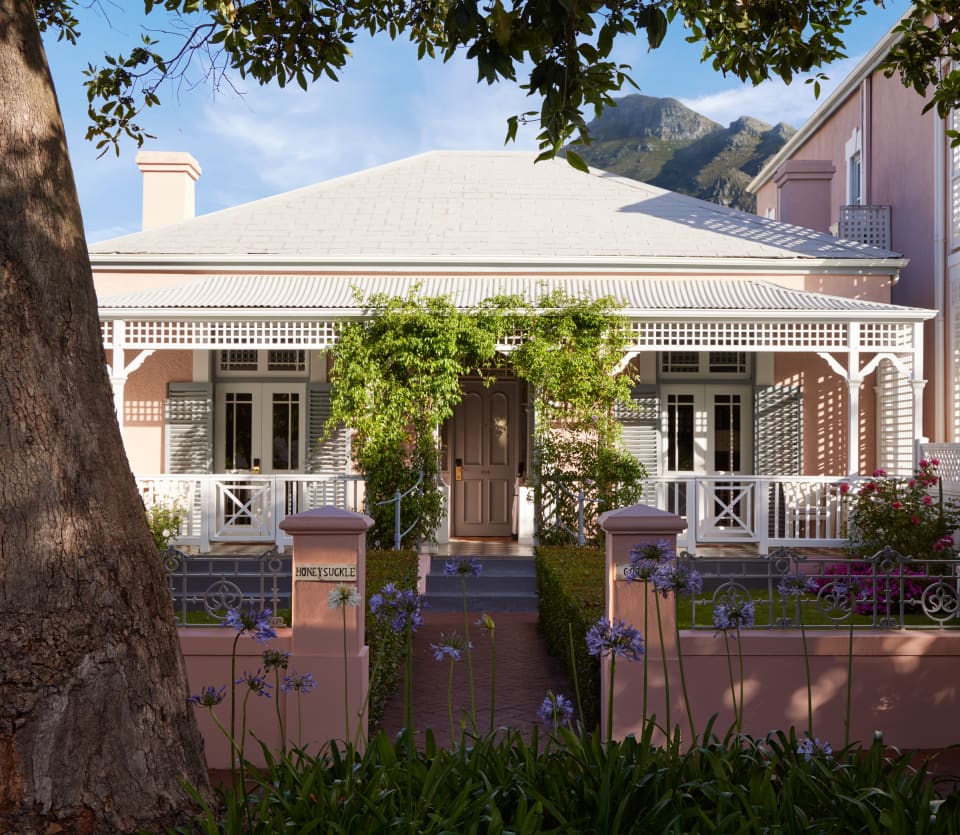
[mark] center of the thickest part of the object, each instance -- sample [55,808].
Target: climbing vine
[570,355]
[396,379]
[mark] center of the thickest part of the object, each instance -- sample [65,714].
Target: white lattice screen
[894,420]
[866,225]
[696,335]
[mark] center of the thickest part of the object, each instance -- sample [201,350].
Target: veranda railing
[764,511]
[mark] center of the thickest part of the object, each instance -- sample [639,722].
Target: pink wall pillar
[625,528]
[329,548]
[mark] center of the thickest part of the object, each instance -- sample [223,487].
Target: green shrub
[386,647]
[570,598]
[574,783]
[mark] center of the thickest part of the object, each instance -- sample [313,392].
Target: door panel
[485,452]
[258,430]
[707,432]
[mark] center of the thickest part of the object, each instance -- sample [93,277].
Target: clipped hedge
[570,597]
[386,648]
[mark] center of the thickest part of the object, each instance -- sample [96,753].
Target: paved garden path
[524,674]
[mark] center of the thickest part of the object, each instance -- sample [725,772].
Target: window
[685,364]
[853,152]
[854,196]
[247,361]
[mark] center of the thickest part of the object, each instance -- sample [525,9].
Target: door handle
[458,469]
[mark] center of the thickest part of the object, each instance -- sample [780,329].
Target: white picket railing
[792,511]
[763,511]
[246,508]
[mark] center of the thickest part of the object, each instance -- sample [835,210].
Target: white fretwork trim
[646,335]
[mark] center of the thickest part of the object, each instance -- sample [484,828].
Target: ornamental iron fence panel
[205,587]
[885,591]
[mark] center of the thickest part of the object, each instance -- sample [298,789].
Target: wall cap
[641,518]
[327,519]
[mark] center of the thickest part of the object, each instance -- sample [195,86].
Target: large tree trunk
[95,732]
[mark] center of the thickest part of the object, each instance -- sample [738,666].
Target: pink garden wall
[904,683]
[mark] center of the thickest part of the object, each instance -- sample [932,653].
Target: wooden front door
[485,447]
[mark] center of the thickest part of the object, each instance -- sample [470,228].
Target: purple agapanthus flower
[677,577]
[401,608]
[556,710]
[248,619]
[297,683]
[462,568]
[208,697]
[617,639]
[256,683]
[796,585]
[809,748]
[734,615]
[452,645]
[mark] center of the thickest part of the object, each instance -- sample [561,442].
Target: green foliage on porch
[396,379]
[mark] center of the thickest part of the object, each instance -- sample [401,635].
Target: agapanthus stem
[346,682]
[806,666]
[466,635]
[733,690]
[740,659]
[450,699]
[276,703]
[233,700]
[408,686]
[646,631]
[846,721]
[666,670]
[573,672]
[493,678]
[683,684]
[613,669]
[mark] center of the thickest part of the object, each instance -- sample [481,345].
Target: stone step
[524,566]
[504,585]
[492,603]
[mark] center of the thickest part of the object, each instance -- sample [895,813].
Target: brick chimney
[168,187]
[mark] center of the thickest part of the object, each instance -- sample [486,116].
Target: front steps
[507,584]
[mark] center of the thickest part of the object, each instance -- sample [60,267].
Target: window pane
[680,408]
[238,430]
[285,423]
[726,432]
[680,362]
[286,361]
[241,360]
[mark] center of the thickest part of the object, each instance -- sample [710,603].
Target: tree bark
[95,732]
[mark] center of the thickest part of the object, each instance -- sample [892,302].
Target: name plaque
[326,573]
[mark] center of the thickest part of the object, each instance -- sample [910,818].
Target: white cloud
[771,101]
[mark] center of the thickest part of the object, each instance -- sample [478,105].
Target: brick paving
[524,674]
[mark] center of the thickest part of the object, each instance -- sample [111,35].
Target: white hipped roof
[481,207]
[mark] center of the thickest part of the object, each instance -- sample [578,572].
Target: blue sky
[253,142]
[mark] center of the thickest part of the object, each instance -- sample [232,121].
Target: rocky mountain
[660,141]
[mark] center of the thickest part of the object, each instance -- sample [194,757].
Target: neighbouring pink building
[770,361]
[870,165]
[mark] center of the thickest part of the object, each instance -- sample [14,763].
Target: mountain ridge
[663,142]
